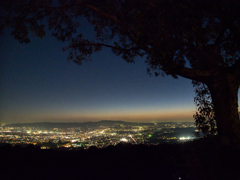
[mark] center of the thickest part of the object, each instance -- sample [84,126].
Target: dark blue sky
[39,84]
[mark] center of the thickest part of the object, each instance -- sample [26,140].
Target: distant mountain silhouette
[73,124]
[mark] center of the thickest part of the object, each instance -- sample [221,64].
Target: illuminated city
[100,136]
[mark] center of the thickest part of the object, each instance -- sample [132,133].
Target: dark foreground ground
[197,160]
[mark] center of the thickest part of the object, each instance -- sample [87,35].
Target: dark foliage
[205,116]
[170,33]
[202,159]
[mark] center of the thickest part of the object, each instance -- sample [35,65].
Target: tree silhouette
[198,40]
[205,115]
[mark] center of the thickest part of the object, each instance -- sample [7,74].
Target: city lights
[124,140]
[99,136]
[184,138]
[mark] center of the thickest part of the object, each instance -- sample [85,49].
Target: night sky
[38,84]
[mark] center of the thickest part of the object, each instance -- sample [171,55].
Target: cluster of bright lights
[124,140]
[184,138]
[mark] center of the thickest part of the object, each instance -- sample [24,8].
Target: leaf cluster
[170,34]
[205,115]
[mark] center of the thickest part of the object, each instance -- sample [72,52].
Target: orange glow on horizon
[134,116]
[170,115]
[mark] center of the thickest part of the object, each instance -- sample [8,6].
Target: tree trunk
[224,92]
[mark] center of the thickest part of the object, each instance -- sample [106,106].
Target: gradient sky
[39,84]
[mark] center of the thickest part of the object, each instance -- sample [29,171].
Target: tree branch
[123,26]
[194,74]
[106,45]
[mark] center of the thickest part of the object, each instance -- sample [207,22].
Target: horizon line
[99,121]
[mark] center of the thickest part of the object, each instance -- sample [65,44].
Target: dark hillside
[195,160]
